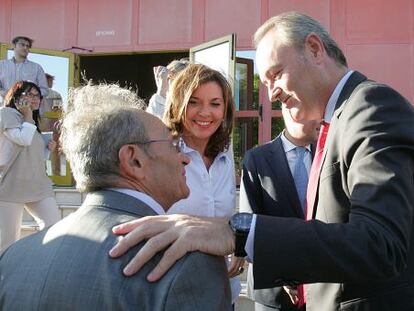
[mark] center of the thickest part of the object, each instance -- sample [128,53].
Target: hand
[24,107]
[51,145]
[236,266]
[292,291]
[184,233]
[161,80]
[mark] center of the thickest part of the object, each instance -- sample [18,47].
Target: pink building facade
[377,36]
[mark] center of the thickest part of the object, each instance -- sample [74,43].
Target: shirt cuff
[249,247]
[29,125]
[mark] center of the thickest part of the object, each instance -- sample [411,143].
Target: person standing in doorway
[19,68]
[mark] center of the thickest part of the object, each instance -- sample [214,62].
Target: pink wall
[377,36]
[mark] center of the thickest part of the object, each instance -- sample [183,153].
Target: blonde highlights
[181,89]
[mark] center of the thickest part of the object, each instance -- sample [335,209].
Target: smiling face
[204,113]
[290,76]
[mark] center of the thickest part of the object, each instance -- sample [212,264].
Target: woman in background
[23,179]
[200,110]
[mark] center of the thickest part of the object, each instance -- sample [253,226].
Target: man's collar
[16,62]
[288,145]
[330,107]
[155,206]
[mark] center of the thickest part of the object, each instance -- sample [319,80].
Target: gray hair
[176,66]
[99,120]
[295,27]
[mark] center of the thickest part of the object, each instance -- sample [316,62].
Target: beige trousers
[45,212]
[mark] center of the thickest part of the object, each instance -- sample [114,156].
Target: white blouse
[212,192]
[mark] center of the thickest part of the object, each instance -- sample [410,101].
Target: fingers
[138,230]
[51,145]
[236,266]
[128,226]
[171,255]
[293,294]
[150,248]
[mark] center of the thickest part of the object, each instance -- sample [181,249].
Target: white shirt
[12,71]
[156,106]
[212,192]
[329,111]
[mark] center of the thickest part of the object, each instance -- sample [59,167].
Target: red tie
[313,188]
[315,170]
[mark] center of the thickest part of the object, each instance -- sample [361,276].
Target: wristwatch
[240,225]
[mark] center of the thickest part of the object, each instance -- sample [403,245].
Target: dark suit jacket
[267,188]
[67,267]
[359,249]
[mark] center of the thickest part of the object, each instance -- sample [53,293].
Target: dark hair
[16,39]
[181,89]
[16,91]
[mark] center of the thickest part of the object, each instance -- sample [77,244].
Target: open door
[61,65]
[220,54]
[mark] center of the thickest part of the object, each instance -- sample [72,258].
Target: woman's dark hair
[16,91]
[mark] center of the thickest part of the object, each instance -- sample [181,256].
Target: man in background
[20,68]
[274,183]
[50,103]
[129,165]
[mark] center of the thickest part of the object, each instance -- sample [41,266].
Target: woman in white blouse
[200,109]
[23,179]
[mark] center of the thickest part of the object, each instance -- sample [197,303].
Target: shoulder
[34,65]
[263,149]
[5,62]
[7,112]
[200,266]
[372,99]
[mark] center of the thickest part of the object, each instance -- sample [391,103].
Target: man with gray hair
[355,250]
[130,166]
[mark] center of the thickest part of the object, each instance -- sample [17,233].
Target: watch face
[241,221]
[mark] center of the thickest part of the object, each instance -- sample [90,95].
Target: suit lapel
[282,174]
[354,80]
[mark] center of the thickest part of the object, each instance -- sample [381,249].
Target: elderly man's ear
[132,162]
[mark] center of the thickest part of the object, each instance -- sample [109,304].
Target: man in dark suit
[128,163]
[356,251]
[268,187]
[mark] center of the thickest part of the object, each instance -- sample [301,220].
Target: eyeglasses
[178,143]
[25,45]
[31,95]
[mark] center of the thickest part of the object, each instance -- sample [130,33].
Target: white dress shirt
[212,192]
[12,71]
